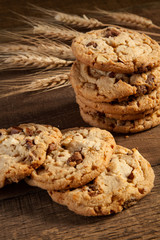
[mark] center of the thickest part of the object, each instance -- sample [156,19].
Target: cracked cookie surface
[100,86]
[128,178]
[23,148]
[117,49]
[81,156]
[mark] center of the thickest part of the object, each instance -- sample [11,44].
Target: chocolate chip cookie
[23,148]
[117,50]
[81,156]
[128,178]
[100,86]
[97,119]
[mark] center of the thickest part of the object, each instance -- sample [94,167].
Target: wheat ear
[77,21]
[55,31]
[29,60]
[126,18]
[48,28]
[57,49]
[73,20]
[41,81]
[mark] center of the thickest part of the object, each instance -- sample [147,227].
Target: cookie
[81,156]
[97,119]
[100,86]
[23,148]
[117,50]
[132,106]
[118,116]
[128,178]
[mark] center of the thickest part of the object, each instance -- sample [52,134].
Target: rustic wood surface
[29,213]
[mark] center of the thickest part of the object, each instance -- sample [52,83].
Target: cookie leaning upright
[117,49]
[81,156]
[23,148]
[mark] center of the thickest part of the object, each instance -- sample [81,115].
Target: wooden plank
[35,216]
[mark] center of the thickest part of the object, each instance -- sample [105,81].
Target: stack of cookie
[116,78]
[82,168]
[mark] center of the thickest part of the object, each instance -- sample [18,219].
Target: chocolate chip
[141,90]
[92,190]
[51,148]
[15,130]
[29,132]
[117,80]
[101,114]
[111,75]
[38,132]
[141,190]
[92,44]
[75,159]
[144,69]
[111,32]
[29,143]
[150,79]
[130,177]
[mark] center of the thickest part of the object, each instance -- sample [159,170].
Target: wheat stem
[43,46]
[42,81]
[126,18]
[69,19]
[29,60]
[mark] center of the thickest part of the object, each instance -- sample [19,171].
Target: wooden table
[29,213]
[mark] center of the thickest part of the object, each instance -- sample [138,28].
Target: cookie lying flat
[100,86]
[132,106]
[82,155]
[117,50]
[125,117]
[23,148]
[128,178]
[97,119]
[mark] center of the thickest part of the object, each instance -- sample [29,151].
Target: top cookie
[117,49]
[23,149]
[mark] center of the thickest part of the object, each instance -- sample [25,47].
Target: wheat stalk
[41,81]
[57,49]
[29,60]
[73,20]
[54,31]
[49,29]
[126,18]
[77,21]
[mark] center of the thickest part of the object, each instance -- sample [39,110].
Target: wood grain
[29,213]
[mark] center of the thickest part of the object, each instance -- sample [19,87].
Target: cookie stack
[116,78]
[82,168]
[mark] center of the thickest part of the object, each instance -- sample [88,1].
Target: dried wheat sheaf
[44,46]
